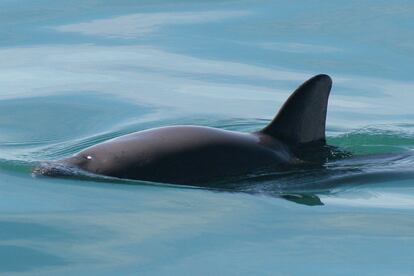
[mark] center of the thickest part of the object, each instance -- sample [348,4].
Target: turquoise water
[76,73]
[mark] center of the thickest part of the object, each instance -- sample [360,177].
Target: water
[76,73]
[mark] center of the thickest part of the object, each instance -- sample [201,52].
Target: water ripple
[378,155]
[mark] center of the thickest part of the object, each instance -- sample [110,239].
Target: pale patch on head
[89,157]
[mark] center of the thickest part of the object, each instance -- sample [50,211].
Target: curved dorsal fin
[302,118]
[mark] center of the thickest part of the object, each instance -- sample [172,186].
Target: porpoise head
[87,161]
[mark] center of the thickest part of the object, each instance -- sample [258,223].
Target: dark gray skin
[195,155]
[182,154]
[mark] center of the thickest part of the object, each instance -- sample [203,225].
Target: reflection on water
[136,25]
[75,74]
[49,119]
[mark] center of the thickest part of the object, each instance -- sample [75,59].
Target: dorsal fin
[302,118]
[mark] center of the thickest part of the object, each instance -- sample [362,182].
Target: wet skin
[195,154]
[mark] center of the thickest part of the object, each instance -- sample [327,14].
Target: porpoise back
[196,155]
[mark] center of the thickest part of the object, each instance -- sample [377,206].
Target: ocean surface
[75,73]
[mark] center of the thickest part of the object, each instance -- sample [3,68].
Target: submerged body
[196,155]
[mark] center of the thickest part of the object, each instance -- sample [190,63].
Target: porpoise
[193,155]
